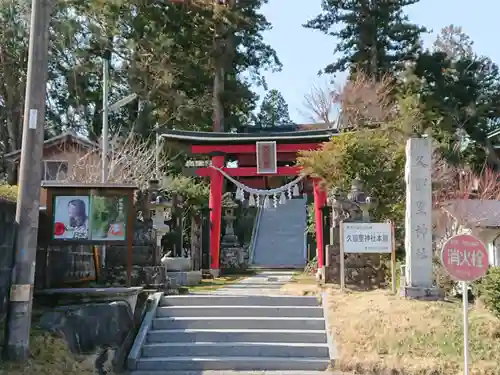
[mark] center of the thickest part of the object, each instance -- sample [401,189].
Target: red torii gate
[243,148]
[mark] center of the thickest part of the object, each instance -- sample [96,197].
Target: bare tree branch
[364,102]
[319,104]
[463,199]
[131,161]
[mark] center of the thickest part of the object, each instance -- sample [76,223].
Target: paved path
[263,283]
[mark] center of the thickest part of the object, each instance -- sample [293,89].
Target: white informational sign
[367,238]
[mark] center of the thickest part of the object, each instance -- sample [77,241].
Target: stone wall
[146,276]
[234,258]
[362,271]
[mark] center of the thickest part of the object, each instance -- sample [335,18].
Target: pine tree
[375,37]
[273,111]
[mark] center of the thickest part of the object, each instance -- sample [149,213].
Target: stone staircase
[192,334]
[280,238]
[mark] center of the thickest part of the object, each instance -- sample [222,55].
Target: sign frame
[383,230]
[52,195]
[55,189]
[273,157]
[391,249]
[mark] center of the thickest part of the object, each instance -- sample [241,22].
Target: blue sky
[304,52]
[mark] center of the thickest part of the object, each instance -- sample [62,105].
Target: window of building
[54,170]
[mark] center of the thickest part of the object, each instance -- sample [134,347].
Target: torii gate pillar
[319,202]
[215,205]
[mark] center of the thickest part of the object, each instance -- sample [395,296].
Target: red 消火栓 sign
[266,158]
[465,258]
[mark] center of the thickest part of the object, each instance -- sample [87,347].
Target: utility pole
[105,116]
[105,136]
[28,200]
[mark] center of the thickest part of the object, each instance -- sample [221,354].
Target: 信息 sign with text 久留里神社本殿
[367,237]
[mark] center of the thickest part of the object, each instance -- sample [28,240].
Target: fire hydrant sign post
[465,258]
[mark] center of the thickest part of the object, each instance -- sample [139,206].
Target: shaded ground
[379,333]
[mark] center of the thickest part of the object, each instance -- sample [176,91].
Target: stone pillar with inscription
[419,280]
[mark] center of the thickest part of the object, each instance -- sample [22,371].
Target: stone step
[215,300]
[255,285]
[238,323]
[230,349]
[232,363]
[237,335]
[241,311]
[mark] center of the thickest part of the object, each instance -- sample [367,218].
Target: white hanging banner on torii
[267,160]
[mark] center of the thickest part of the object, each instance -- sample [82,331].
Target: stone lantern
[229,238]
[361,199]
[233,255]
[160,211]
[353,206]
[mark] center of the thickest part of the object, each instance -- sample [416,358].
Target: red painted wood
[248,171]
[250,160]
[215,203]
[251,148]
[254,183]
[319,201]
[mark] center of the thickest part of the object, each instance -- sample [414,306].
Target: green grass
[8,192]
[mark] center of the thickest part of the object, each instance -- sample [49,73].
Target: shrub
[8,192]
[443,280]
[488,290]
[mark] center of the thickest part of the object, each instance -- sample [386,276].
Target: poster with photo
[108,220]
[71,217]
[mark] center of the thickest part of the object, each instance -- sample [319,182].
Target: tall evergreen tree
[375,37]
[459,93]
[273,111]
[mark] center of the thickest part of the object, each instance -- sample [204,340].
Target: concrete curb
[332,348]
[146,324]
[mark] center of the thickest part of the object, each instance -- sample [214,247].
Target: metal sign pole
[342,258]
[465,302]
[465,258]
[393,258]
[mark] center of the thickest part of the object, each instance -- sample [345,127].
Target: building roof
[57,140]
[300,136]
[84,185]
[474,212]
[313,126]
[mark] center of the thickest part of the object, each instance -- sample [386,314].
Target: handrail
[255,233]
[146,324]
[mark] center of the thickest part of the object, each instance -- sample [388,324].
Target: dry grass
[379,333]
[50,356]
